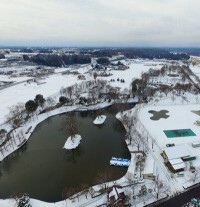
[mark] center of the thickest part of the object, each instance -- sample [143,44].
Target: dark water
[43,168]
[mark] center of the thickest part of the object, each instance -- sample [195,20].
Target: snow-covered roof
[177,164]
[176,161]
[177,152]
[115,192]
[149,165]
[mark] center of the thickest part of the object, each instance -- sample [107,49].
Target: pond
[43,168]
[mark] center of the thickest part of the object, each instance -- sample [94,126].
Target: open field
[52,84]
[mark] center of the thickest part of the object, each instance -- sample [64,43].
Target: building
[176,152]
[175,157]
[149,169]
[177,165]
[116,196]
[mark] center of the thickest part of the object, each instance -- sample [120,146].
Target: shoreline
[42,117]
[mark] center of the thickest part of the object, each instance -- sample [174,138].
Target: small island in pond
[99,120]
[72,142]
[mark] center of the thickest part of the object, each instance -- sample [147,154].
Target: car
[195,201]
[180,174]
[170,145]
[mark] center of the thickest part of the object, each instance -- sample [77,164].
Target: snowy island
[99,120]
[72,143]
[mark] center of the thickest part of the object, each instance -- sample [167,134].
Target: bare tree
[92,191]
[137,141]
[95,76]
[195,175]
[103,178]
[51,102]
[15,116]
[70,92]
[72,126]
[129,176]
[65,194]
[158,185]
[85,190]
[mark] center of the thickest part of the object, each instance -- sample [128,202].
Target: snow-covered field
[17,79]
[24,92]
[136,68]
[195,69]
[180,117]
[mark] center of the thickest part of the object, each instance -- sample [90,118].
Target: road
[180,200]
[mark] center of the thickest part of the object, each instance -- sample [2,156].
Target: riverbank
[109,125]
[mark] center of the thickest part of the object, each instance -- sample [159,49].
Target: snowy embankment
[72,142]
[99,120]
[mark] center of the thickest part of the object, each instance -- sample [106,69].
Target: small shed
[116,196]
[149,169]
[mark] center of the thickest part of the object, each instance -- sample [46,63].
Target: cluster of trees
[151,53]
[121,80]
[96,91]
[99,52]
[22,200]
[103,61]
[32,105]
[55,60]
[143,90]
[2,56]
[17,112]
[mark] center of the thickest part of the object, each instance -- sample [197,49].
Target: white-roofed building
[176,152]
[176,155]
[177,164]
[116,196]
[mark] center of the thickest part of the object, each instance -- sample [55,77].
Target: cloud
[100,22]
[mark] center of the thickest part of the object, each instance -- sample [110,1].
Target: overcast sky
[100,23]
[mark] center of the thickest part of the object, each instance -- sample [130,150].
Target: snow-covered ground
[195,69]
[52,84]
[180,117]
[72,143]
[136,68]
[99,120]
[17,79]
[24,91]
